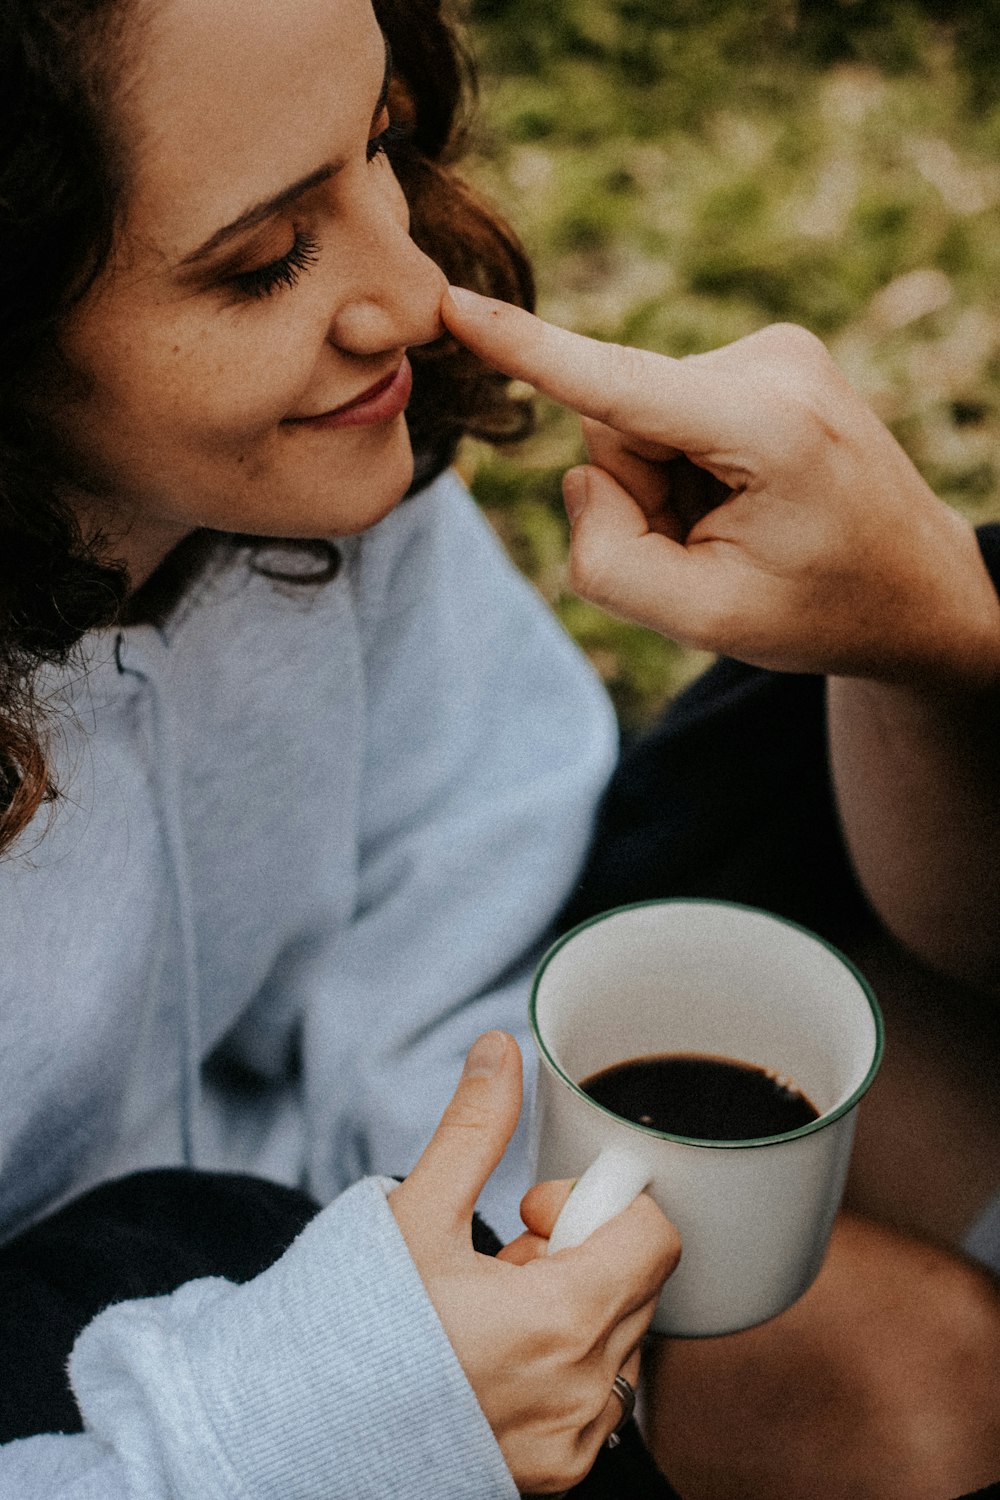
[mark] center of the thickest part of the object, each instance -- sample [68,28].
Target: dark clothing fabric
[728,798]
[145,1235]
[140,1236]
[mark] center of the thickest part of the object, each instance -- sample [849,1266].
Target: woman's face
[266,278]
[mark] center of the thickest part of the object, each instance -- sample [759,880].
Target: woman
[295,777]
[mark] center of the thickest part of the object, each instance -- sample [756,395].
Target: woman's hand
[540,1338]
[747,501]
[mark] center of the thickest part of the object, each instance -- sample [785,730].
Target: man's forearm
[917,779]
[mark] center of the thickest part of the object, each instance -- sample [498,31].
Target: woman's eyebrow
[270,206]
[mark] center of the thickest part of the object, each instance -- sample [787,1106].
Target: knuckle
[792,341]
[625,365]
[566,1329]
[570,1461]
[461,1117]
[579,1465]
[565,1471]
[802,390]
[573,1434]
[576,1322]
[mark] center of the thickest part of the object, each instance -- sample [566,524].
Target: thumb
[473,1133]
[617,561]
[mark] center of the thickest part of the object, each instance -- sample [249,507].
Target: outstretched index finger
[631,390]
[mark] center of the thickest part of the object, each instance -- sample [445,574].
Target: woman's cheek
[248,387]
[284,362]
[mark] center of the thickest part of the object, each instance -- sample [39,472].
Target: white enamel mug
[711,978]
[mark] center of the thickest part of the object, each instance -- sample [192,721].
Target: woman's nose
[396,302]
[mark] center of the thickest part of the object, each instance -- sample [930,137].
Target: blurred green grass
[684,173]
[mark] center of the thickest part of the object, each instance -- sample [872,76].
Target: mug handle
[609,1184]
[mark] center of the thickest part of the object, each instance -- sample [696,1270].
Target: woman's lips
[381,402]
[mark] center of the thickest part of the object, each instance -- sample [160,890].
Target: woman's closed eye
[284,272]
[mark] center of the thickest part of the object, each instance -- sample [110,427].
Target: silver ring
[626,1395]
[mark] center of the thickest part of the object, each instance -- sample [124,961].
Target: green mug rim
[820,1123]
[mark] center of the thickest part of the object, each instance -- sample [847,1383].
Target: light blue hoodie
[321,823]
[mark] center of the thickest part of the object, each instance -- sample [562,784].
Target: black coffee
[708,1098]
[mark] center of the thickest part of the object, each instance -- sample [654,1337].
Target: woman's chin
[364,491]
[375,513]
[375,500]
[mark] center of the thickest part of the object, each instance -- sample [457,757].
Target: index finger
[633,390]
[625,1262]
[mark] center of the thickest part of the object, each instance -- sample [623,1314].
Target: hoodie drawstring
[164,772]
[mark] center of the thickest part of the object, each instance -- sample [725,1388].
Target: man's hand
[747,501]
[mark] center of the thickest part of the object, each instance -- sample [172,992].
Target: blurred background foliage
[685,171]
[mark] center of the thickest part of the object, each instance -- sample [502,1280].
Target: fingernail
[485,1056]
[470,303]
[576,488]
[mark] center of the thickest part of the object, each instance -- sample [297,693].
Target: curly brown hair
[62,194]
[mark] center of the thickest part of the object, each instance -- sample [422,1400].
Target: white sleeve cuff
[328,1375]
